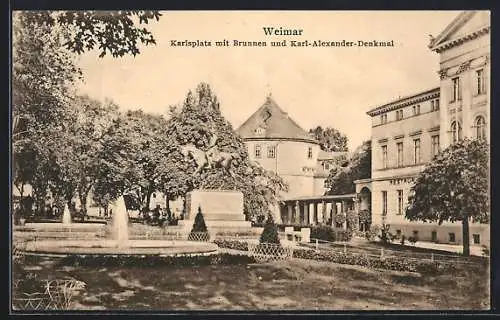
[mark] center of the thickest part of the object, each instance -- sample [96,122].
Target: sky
[326,86]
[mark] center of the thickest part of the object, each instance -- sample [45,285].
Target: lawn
[292,285]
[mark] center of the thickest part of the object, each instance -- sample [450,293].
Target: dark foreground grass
[291,285]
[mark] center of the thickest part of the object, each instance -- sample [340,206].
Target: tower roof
[271,122]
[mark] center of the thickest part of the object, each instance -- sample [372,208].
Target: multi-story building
[409,131]
[279,144]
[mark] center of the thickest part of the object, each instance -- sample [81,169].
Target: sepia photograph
[280,161]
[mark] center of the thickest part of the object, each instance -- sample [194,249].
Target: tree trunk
[465,236]
[83,203]
[148,199]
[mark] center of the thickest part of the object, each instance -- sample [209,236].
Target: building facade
[279,144]
[409,131]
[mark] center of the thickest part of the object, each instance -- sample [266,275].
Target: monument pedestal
[222,211]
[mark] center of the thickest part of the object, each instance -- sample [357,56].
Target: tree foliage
[215,157]
[330,139]
[115,32]
[341,179]
[453,187]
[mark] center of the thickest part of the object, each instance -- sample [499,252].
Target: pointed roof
[478,23]
[271,122]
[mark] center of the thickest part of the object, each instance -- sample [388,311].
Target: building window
[400,202]
[309,153]
[451,237]
[416,110]
[434,236]
[257,151]
[480,125]
[456,131]
[399,114]
[435,105]
[477,239]
[384,157]
[480,83]
[435,145]
[383,118]
[271,152]
[384,203]
[400,154]
[416,151]
[455,90]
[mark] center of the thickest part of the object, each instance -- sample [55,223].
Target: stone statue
[212,158]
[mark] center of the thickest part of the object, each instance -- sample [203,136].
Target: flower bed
[232,244]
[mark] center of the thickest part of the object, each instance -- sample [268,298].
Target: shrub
[199,230]
[372,234]
[328,233]
[232,244]
[199,222]
[385,235]
[270,232]
[485,250]
[403,238]
[323,232]
[413,239]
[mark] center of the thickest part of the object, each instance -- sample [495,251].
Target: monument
[222,210]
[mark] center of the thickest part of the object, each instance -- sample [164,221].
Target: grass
[291,285]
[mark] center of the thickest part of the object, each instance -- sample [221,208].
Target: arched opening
[364,210]
[480,124]
[456,131]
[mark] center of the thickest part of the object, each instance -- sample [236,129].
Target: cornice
[404,102]
[460,40]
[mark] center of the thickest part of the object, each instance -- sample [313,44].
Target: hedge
[328,233]
[389,263]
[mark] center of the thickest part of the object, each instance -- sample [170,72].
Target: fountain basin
[40,226]
[163,248]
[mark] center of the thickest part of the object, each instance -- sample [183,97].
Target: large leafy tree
[213,156]
[330,139]
[115,32]
[341,179]
[43,74]
[454,187]
[132,149]
[93,120]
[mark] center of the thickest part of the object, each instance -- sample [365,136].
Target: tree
[43,75]
[453,187]
[270,232]
[206,152]
[115,32]
[330,139]
[341,179]
[93,120]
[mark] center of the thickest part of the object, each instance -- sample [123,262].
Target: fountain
[119,244]
[66,218]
